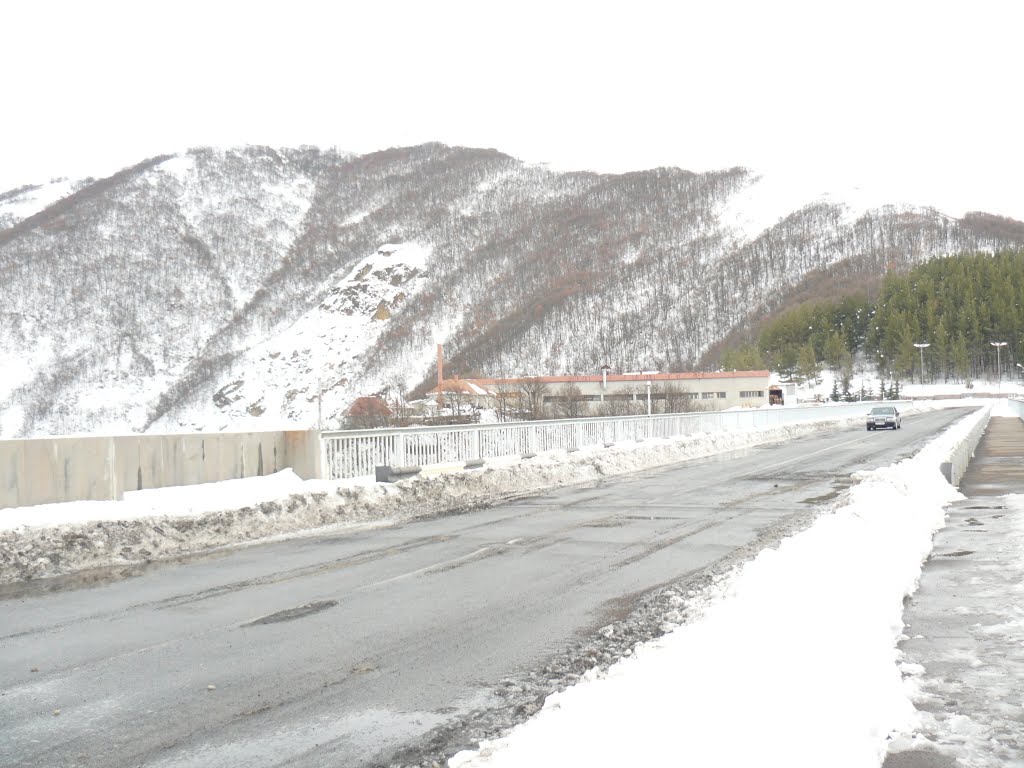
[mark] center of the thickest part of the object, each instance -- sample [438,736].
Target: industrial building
[633,392]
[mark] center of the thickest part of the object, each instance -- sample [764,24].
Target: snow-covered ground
[770,197]
[821,388]
[963,657]
[32,200]
[790,659]
[280,380]
[791,662]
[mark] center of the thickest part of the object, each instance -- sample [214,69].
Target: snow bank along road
[963,646]
[396,645]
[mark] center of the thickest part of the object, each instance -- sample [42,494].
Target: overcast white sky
[921,99]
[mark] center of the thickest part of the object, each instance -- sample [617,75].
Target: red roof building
[710,390]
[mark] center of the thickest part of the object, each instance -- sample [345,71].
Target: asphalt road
[346,650]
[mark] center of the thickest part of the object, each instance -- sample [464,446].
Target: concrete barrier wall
[962,453]
[56,469]
[1017,406]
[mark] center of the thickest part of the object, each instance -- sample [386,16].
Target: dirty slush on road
[627,622]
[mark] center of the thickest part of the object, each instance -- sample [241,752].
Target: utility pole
[318,361]
[999,368]
[440,377]
[921,347]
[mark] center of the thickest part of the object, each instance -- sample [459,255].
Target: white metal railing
[355,453]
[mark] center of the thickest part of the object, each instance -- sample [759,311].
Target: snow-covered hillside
[218,287]
[321,354]
[114,291]
[18,204]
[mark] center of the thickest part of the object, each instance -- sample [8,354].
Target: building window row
[617,397]
[642,396]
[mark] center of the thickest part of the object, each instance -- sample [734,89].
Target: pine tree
[959,304]
[961,360]
[745,358]
[807,365]
[835,351]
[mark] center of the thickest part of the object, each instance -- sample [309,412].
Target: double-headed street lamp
[921,347]
[999,368]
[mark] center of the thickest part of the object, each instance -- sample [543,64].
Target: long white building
[601,393]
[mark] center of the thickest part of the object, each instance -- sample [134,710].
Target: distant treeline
[958,305]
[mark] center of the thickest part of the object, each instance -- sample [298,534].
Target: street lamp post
[921,347]
[648,398]
[999,369]
[319,363]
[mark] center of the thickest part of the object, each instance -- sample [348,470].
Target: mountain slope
[219,286]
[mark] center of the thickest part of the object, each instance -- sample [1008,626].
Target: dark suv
[884,417]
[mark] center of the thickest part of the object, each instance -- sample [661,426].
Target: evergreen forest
[961,306]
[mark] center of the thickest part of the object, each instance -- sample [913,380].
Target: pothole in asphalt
[294,613]
[918,758]
[653,517]
[821,499]
[838,486]
[96,577]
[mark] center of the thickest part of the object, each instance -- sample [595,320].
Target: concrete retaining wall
[960,456]
[56,469]
[1017,406]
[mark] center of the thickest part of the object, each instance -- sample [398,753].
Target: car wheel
[869,427]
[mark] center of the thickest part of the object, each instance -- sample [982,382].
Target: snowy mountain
[240,287]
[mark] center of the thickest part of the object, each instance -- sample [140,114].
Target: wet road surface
[346,649]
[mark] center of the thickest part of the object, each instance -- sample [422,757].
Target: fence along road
[350,648]
[355,453]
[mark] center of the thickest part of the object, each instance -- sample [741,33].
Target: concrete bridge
[965,624]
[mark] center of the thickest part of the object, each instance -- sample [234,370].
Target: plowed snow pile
[57,539]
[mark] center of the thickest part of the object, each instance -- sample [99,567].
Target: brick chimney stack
[440,376]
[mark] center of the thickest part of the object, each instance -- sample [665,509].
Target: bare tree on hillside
[368,413]
[636,405]
[457,401]
[506,401]
[395,395]
[570,402]
[531,398]
[677,399]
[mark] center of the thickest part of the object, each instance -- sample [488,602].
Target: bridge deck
[998,464]
[963,623]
